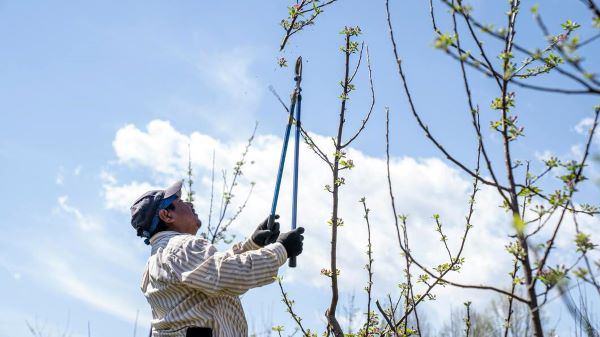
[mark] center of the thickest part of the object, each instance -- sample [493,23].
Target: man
[192,288]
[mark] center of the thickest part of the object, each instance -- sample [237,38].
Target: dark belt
[199,332]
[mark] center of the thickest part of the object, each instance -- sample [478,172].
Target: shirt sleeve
[233,272]
[244,246]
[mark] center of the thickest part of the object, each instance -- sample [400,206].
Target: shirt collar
[161,236]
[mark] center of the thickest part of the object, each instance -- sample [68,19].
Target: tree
[537,215]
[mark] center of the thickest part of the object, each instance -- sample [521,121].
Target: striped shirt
[189,283]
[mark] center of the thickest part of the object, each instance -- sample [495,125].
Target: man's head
[162,210]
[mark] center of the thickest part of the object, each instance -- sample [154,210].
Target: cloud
[84,257]
[584,126]
[422,187]
[121,197]
[230,91]
[83,222]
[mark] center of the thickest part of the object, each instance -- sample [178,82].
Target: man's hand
[292,241]
[267,232]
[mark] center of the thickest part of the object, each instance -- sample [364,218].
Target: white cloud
[422,187]
[121,197]
[584,126]
[83,222]
[91,287]
[229,90]
[86,257]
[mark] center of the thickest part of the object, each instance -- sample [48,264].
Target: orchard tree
[538,211]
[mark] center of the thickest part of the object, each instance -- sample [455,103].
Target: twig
[387,319]
[289,29]
[315,148]
[542,263]
[228,195]
[364,121]
[237,213]
[410,304]
[319,6]
[510,299]
[588,40]
[474,111]
[417,116]
[560,48]
[468,319]
[369,265]
[589,88]
[360,56]
[272,90]
[592,6]
[290,310]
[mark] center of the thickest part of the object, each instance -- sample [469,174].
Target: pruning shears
[293,118]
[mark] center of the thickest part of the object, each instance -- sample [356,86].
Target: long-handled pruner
[295,107]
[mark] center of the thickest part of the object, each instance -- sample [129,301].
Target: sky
[101,101]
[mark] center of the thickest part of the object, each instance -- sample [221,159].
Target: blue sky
[101,99]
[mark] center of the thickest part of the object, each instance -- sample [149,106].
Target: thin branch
[588,40]
[387,319]
[585,257]
[360,56]
[468,319]
[289,29]
[272,90]
[417,116]
[474,111]
[237,213]
[592,6]
[364,121]
[466,17]
[561,49]
[527,52]
[290,310]
[316,9]
[228,195]
[369,265]
[319,6]
[513,277]
[571,192]
[410,290]
[316,149]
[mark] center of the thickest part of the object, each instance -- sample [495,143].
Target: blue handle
[286,138]
[292,262]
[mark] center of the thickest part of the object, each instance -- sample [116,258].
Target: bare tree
[537,215]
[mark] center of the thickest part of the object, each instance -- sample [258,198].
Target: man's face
[183,218]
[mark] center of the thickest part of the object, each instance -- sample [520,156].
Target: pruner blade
[298,70]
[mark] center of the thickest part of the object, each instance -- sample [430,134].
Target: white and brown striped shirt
[189,283]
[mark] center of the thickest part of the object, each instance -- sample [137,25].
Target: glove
[292,241]
[267,232]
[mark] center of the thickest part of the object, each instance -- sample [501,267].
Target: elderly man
[192,288]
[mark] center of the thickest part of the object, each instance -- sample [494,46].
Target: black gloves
[292,241]
[267,232]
